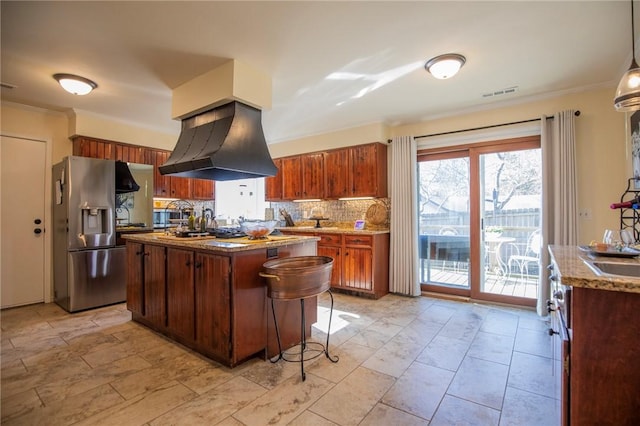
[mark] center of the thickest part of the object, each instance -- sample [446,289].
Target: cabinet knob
[551,332]
[188,263]
[558,295]
[553,277]
[37,231]
[550,266]
[198,264]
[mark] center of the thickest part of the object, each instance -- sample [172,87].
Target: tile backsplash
[335,210]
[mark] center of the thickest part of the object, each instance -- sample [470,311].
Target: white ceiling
[138,51]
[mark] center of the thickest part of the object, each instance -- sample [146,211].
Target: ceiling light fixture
[445,66]
[628,93]
[75,84]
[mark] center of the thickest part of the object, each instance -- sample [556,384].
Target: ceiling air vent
[507,91]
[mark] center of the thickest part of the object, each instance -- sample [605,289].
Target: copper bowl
[297,277]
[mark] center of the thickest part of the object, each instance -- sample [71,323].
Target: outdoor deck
[513,285]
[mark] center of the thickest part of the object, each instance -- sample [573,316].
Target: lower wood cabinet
[360,261]
[181,292]
[146,282]
[213,303]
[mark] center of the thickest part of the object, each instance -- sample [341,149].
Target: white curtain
[559,192]
[403,255]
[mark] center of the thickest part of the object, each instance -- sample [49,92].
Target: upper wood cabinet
[357,171]
[291,178]
[299,177]
[164,186]
[273,184]
[312,175]
[337,172]
[369,170]
[94,148]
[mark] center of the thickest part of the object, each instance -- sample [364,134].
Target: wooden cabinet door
[202,189]
[135,277]
[155,285]
[94,148]
[357,268]
[337,164]
[161,183]
[180,187]
[213,304]
[273,184]
[312,175]
[336,271]
[129,153]
[180,292]
[291,178]
[364,171]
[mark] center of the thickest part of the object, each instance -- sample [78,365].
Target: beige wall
[602,143]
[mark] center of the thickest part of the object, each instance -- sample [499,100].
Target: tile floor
[403,361]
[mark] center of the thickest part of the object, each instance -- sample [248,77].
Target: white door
[22,195]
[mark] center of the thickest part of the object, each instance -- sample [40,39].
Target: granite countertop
[575,272]
[218,244]
[332,230]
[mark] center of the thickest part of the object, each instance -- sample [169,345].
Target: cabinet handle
[558,295]
[551,332]
[188,263]
[146,253]
[138,253]
[198,264]
[262,274]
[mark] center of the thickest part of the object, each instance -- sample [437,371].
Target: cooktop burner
[227,233]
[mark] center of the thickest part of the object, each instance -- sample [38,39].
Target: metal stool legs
[303,340]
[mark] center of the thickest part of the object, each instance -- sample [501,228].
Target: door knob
[37,231]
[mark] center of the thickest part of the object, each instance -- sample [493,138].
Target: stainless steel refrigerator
[89,270]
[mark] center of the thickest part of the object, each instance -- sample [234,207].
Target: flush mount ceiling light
[75,84]
[628,93]
[445,66]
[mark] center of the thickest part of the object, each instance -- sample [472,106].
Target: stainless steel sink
[611,268]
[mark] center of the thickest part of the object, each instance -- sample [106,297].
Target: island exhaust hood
[224,143]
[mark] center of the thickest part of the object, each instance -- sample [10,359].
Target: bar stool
[300,277]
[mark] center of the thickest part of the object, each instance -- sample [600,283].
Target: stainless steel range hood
[225,143]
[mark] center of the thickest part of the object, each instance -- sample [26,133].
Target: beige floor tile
[351,356]
[68,387]
[351,399]
[383,415]
[19,404]
[522,408]
[492,347]
[71,410]
[395,356]
[143,408]
[419,390]
[444,352]
[455,411]
[308,418]
[285,402]
[480,381]
[215,405]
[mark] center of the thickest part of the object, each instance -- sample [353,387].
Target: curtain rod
[577,114]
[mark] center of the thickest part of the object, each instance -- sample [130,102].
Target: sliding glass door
[479,210]
[444,245]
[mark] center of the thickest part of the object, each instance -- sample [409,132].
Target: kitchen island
[206,294]
[596,321]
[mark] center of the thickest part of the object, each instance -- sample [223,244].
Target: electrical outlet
[585,214]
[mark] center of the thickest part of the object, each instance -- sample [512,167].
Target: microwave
[165,217]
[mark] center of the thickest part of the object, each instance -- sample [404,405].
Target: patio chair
[531,255]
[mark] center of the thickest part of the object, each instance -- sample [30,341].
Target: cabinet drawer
[358,240]
[330,239]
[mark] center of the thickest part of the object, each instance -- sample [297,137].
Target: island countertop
[330,230]
[219,244]
[575,272]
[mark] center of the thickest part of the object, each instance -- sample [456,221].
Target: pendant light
[75,84]
[628,93]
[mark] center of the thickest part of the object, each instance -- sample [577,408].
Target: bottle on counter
[626,204]
[192,222]
[203,222]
